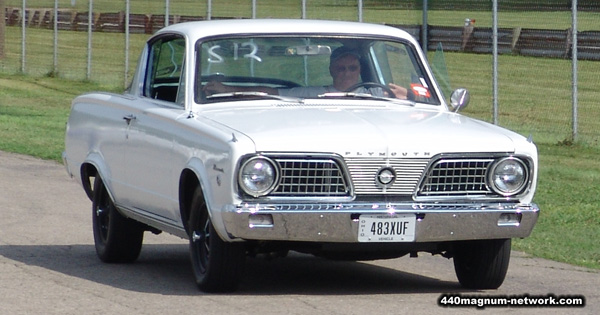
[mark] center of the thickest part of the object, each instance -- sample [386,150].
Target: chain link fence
[100,41]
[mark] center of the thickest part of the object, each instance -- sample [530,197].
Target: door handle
[129,118]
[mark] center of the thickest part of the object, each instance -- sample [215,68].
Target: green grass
[569,196]
[534,98]
[534,95]
[34,110]
[107,57]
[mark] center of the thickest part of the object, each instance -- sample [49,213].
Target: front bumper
[339,222]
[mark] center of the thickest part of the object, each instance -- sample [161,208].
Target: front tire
[117,239]
[482,264]
[217,265]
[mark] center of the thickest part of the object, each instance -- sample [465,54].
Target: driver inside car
[344,67]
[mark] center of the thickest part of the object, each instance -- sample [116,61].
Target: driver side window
[165,69]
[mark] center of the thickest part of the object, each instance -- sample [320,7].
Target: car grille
[325,177]
[310,178]
[456,177]
[364,174]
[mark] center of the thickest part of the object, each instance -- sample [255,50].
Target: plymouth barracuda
[250,137]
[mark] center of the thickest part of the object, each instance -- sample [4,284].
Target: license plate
[386,228]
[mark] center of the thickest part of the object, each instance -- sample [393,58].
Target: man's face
[345,72]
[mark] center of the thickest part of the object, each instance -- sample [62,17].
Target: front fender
[207,179]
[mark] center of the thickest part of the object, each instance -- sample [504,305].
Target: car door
[150,172]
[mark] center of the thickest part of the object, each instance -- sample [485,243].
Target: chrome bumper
[339,223]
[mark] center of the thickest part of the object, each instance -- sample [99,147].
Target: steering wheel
[370,85]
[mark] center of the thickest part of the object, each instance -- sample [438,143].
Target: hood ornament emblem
[386,177]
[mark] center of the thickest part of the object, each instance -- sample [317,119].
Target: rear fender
[94,166]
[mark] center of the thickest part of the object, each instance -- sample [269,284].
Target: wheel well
[88,173]
[187,185]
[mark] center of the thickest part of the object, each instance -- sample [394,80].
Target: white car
[322,137]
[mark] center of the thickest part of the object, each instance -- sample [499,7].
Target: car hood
[363,130]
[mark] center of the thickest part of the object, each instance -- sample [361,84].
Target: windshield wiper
[252,94]
[366,96]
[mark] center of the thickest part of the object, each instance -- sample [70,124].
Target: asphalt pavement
[48,266]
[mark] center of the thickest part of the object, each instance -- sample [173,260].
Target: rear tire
[482,264]
[117,239]
[217,265]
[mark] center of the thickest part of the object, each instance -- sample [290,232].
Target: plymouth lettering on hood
[384,154]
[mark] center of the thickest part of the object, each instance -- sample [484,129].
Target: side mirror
[459,99]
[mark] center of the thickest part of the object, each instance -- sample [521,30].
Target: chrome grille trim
[381,207]
[310,177]
[363,172]
[454,177]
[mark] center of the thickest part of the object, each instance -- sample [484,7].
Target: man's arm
[399,92]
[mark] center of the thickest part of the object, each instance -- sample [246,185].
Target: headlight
[508,176]
[258,176]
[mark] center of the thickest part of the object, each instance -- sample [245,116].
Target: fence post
[23,34]
[55,47]
[166,12]
[574,67]
[360,10]
[303,9]
[424,26]
[495,59]
[127,8]
[2,28]
[208,9]
[89,47]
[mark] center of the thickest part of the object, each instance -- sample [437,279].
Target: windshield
[309,67]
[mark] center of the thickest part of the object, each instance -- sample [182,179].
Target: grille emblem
[385,177]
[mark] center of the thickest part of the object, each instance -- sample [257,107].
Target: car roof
[200,29]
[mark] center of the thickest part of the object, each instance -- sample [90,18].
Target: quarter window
[163,80]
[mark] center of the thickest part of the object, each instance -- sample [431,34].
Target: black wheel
[368,85]
[482,264]
[217,265]
[117,239]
